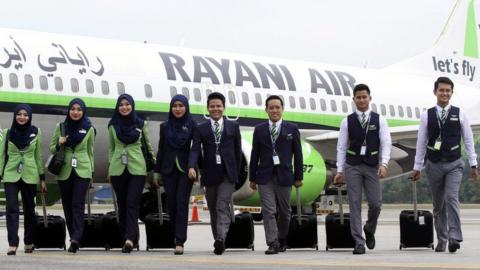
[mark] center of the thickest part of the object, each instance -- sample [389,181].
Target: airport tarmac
[199,255]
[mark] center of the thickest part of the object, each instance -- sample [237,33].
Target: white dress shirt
[343,140]
[422,138]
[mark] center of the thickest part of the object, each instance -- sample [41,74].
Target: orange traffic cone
[194,212]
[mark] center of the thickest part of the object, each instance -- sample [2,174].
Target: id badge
[124,159]
[219,159]
[421,220]
[437,145]
[276,159]
[363,150]
[74,162]
[20,167]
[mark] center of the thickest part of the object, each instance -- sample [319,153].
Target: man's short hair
[361,87]
[216,95]
[444,80]
[273,97]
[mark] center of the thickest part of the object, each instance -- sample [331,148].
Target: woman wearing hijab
[21,168]
[127,166]
[172,163]
[76,173]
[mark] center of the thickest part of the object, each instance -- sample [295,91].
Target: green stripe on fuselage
[314,118]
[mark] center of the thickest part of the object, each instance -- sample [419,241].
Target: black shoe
[369,239]
[12,251]
[453,245]
[28,248]
[283,245]
[359,250]
[127,247]
[219,247]
[440,247]
[273,248]
[73,246]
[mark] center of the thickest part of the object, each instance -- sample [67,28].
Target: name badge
[276,159]
[363,150]
[20,167]
[74,162]
[372,127]
[421,220]
[83,131]
[218,158]
[437,145]
[453,119]
[124,159]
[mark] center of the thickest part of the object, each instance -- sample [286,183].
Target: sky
[367,33]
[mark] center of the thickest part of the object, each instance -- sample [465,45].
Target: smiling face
[178,109]
[125,108]
[215,109]
[274,110]
[362,100]
[444,93]
[22,117]
[76,112]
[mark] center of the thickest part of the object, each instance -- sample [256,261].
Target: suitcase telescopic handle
[340,205]
[115,206]
[299,206]
[44,208]
[415,208]
[160,206]
[232,210]
[89,209]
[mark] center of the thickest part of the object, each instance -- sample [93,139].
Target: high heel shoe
[73,246]
[28,248]
[12,251]
[127,247]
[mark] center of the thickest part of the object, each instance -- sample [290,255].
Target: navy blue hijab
[126,127]
[179,130]
[76,130]
[21,135]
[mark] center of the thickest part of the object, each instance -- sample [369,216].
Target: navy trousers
[128,189]
[28,192]
[73,192]
[178,188]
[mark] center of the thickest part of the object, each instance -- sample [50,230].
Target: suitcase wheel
[316,247]
[431,246]
[401,246]
[65,247]
[253,248]
[327,247]
[148,248]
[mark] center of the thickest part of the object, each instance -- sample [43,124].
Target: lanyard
[440,124]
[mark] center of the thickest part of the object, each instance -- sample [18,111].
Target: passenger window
[291,100]
[43,83]
[417,112]
[196,94]
[245,98]
[1,80]
[58,84]
[333,104]
[400,111]
[374,107]
[231,97]
[74,85]
[313,105]
[173,91]
[89,84]
[302,103]
[185,92]
[120,88]
[344,106]
[105,88]
[28,81]
[354,107]
[258,99]
[323,104]
[383,109]
[392,110]
[208,92]
[409,112]
[13,80]
[148,90]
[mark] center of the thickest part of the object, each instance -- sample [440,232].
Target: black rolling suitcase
[50,230]
[241,232]
[149,203]
[337,228]
[112,235]
[159,228]
[92,230]
[416,227]
[303,231]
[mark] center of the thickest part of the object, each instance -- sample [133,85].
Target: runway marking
[217,260]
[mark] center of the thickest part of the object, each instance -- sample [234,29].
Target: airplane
[48,70]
